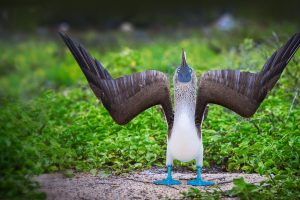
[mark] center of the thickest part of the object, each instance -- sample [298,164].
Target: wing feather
[127,96]
[243,92]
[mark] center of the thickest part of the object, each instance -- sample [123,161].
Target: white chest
[184,144]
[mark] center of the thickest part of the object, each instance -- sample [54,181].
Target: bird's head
[184,72]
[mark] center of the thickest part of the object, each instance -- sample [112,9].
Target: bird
[127,96]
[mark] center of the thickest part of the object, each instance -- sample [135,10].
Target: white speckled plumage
[185,143]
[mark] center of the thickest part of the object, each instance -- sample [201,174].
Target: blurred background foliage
[50,121]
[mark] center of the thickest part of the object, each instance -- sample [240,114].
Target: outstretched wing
[243,92]
[127,96]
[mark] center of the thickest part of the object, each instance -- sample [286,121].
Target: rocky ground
[136,185]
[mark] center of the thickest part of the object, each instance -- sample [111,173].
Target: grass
[51,121]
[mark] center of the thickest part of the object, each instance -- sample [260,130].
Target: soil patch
[136,185]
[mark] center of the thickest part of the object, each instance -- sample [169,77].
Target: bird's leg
[198,181]
[169,180]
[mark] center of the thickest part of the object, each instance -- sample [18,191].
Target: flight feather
[243,92]
[127,96]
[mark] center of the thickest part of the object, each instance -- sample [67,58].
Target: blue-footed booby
[127,96]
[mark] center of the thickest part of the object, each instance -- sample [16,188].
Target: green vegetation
[51,121]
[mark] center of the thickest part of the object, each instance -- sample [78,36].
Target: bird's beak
[184,66]
[184,71]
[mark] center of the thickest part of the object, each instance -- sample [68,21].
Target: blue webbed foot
[169,180]
[198,181]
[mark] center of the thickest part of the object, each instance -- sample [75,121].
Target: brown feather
[127,96]
[243,92]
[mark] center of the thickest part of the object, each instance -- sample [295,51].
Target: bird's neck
[184,101]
